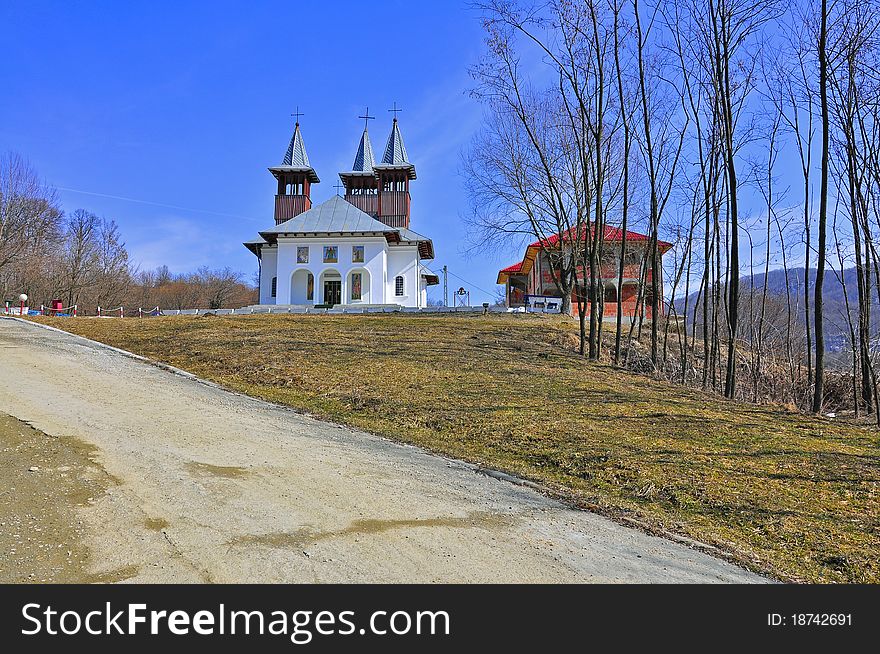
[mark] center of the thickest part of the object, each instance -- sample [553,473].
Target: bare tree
[114,273]
[624,106]
[526,170]
[661,143]
[79,261]
[819,378]
[29,222]
[219,285]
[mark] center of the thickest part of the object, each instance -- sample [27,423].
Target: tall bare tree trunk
[819,385]
[722,35]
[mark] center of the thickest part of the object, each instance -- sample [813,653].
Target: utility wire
[489,293]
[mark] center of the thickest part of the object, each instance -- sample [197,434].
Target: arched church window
[398,286]
[274,286]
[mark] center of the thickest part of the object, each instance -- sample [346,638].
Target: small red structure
[55,307]
[533,277]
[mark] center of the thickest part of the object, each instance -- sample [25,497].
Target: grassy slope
[784,493]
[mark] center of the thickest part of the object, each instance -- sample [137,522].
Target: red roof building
[530,283]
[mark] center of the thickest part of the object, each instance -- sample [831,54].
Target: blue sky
[183,106]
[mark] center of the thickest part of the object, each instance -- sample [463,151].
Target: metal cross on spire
[395,110]
[367,118]
[339,186]
[296,114]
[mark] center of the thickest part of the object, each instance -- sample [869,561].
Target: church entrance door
[333,292]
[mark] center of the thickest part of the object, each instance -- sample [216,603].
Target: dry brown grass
[791,495]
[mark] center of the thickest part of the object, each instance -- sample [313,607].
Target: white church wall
[299,287]
[291,290]
[423,292]
[268,270]
[286,267]
[403,261]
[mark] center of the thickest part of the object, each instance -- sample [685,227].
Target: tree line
[81,258]
[746,132]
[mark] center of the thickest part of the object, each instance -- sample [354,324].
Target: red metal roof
[611,234]
[510,270]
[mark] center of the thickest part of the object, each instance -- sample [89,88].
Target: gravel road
[211,486]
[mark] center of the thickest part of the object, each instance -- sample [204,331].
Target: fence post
[121,312]
[74,310]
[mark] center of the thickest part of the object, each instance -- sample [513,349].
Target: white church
[356,250]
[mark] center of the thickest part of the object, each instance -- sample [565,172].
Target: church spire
[395,151]
[364,160]
[296,152]
[394,174]
[395,157]
[295,177]
[360,182]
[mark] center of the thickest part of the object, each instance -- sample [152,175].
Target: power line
[483,290]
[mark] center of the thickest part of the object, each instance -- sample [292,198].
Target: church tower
[295,177]
[361,185]
[393,175]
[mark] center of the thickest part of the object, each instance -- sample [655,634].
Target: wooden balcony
[368,203]
[288,206]
[394,208]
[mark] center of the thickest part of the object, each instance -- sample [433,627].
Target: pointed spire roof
[296,152]
[296,159]
[364,159]
[395,152]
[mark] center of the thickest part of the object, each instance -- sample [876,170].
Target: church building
[352,250]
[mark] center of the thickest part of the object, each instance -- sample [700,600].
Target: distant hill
[836,328]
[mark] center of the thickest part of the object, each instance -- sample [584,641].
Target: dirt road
[208,486]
